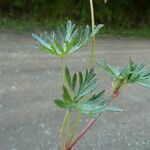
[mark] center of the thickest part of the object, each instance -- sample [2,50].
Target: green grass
[143,32]
[24,25]
[32,25]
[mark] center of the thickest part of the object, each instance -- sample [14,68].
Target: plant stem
[66,121]
[62,130]
[93,40]
[86,128]
[63,70]
[75,126]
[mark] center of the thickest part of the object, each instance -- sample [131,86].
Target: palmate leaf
[113,72]
[94,108]
[78,94]
[87,84]
[66,39]
[71,81]
[131,73]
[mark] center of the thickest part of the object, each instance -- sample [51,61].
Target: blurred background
[121,17]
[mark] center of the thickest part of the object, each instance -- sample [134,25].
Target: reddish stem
[78,137]
[70,145]
[116,93]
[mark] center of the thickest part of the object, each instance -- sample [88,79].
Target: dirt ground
[30,80]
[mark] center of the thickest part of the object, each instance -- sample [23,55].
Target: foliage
[79,89]
[131,13]
[81,97]
[67,39]
[131,73]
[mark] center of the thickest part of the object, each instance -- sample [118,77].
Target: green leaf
[146,85]
[131,73]
[61,103]
[113,109]
[65,40]
[80,78]
[96,29]
[105,101]
[71,81]
[86,33]
[74,81]
[95,98]
[87,85]
[82,98]
[68,76]
[114,72]
[66,96]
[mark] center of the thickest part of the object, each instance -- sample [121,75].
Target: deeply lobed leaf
[131,73]
[81,97]
[66,39]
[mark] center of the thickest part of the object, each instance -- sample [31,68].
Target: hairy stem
[93,40]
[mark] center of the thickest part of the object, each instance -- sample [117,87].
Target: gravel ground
[30,80]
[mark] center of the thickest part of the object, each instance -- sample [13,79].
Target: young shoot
[132,73]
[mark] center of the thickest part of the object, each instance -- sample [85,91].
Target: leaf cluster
[66,39]
[80,96]
[131,73]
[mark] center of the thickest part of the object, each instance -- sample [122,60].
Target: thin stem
[62,131]
[68,123]
[93,24]
[66,120]
[63,70]
[85,129]
[75,126]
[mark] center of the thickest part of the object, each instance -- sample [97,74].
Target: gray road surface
[30,80]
